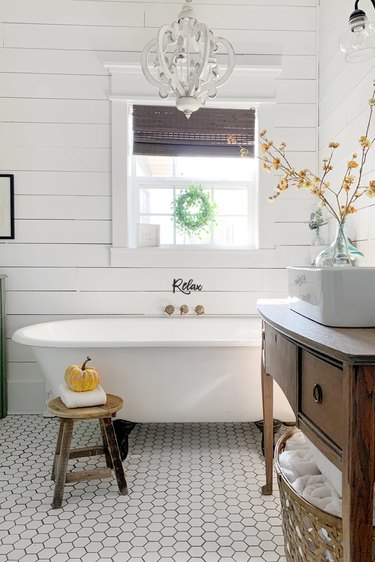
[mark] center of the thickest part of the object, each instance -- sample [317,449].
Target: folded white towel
[74,399]
[318,491]
[299,467]
[298,462]
[326,467]
[296,442]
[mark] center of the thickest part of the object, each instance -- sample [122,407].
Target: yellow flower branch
[274,157]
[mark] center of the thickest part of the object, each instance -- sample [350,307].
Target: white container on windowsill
[334,296]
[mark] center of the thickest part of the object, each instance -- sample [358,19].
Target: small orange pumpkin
[81,379]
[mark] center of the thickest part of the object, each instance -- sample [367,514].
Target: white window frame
[138,183]
[129,87]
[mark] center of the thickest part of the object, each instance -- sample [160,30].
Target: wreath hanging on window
[193,211]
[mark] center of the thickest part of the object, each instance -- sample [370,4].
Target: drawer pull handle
[318,394]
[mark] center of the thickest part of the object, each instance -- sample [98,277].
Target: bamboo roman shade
[165,131]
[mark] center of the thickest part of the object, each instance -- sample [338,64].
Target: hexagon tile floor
[194,495]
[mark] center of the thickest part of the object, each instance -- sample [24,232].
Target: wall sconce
[182,61]
[358,41]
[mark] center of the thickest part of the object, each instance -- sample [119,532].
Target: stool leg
[115,455]
[105,444]
[62,464]
[57,451]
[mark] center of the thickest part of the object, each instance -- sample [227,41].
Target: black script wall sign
[186,287]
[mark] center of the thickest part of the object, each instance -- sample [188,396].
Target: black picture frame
[6,206]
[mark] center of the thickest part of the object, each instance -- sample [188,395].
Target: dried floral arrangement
[339,201]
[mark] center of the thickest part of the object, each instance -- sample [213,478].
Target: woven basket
[310,534]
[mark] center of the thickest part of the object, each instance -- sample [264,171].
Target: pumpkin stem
[84,364]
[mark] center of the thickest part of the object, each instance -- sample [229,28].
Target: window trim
[128,87]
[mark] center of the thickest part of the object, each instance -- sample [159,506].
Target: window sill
[197,257]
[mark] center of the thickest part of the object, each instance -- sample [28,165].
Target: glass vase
[341,253]
[317,245]
[318,240]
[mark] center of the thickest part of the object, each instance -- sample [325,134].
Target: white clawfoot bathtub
[181,369]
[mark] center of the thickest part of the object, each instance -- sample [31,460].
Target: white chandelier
[182,61]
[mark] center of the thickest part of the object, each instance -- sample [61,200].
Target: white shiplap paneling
[47,86]
[46,207]
[55,122]
[61,135]
[112,303]
[20,110]
[277,18]
[72,13]
[62,183]
[116,39]
[343,107]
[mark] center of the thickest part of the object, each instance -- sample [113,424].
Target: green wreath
[193,211]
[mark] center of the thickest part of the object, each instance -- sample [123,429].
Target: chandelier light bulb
[182,61]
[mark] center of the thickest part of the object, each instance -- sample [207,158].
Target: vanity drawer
[281,363]
[321,395]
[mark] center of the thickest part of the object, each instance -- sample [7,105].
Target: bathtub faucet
[199,309]
[169,309]
[184,309]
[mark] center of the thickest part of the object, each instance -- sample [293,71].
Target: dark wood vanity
[328,376]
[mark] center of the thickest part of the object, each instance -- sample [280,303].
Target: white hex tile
[241,557]
[151,557]
[271,556]
[194,495]
[211,557]
[60,558]
[45,554]
[92,557]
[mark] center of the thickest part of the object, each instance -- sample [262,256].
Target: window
[170,153]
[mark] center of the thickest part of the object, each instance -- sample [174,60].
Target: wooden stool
[63,452]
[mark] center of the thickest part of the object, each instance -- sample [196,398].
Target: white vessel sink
[334,296]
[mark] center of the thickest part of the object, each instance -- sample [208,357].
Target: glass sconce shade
[358,41]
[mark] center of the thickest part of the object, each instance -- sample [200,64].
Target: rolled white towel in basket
[317,490]
[297,442]
[299,467]
[72,399]
[298,462]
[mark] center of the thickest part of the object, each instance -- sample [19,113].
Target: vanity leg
[267,399]
[359,464]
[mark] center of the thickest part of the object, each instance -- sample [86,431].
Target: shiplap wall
[55,135]
[343,110]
